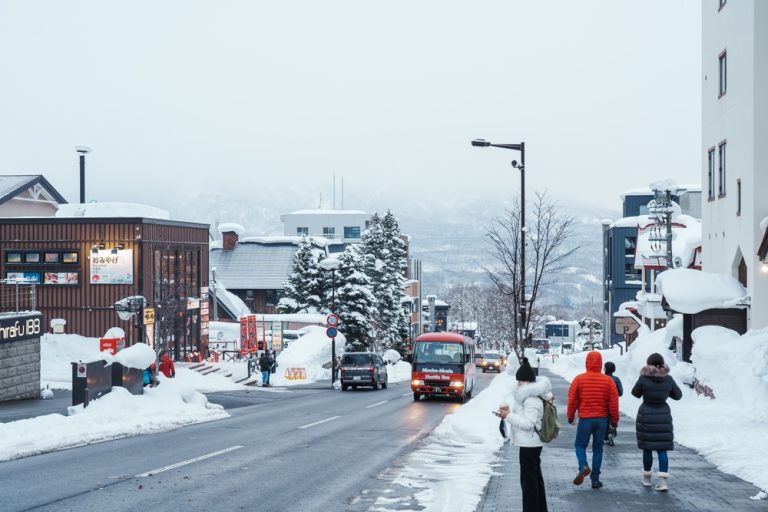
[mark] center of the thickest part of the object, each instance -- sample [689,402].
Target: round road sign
[332,320]
[331,332]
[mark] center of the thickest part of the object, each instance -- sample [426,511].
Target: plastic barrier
[296,374]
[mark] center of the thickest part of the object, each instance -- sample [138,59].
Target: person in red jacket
[594,396]
[166,365]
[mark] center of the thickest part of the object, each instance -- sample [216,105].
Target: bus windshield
[435,352]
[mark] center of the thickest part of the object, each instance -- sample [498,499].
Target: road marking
[319,422]
[377,404]
[407,394]
[190,461]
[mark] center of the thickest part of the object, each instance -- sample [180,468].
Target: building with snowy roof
[28,196]
[735,123]
[344,225]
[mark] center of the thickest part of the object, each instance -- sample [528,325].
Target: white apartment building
[344,225]
[735,144]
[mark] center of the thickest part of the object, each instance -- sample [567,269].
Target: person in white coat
[525,419]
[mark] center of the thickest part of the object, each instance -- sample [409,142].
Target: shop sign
[277,336]
[108,267]
[149,316]
[20,328]
[193,303]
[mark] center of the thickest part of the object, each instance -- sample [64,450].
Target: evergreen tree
[355,301]
[303,291]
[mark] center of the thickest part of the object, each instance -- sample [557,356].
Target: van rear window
[356,359]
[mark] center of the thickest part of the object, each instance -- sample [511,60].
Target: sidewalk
[694,483]
[15,410]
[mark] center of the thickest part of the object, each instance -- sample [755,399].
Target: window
[711,173]
[302,231]
[723,73]
[31,257]
[721,171]
[329,232]
[13,257]
[738,197]
[351,231]
[51,257]
[631,273]
[630,243]
[69,257]
[270,297]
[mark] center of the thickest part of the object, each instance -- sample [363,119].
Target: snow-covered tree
[355,301]
[303,291]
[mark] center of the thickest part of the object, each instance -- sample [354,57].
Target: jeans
[663,460]
[531,481]
[594,428]
[264,378]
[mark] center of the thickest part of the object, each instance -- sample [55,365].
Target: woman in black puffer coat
[654,419]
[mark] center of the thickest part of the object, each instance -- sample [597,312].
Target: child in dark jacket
[609,369]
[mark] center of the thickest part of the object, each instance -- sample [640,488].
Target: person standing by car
[525,418]
[654,418]
[265,368]
[594,396]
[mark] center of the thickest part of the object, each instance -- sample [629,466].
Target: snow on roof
[636,192]
[692,291]
[328,212]
[631,222]
[101,210]
[231,226]
[664,184]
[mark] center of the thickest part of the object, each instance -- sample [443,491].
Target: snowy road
[301,449]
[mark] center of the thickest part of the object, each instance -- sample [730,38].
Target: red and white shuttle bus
[443,364]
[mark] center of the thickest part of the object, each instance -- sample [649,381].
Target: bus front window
[431,352]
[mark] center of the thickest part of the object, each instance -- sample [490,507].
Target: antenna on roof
[320,206]
[342,192]
[334,191]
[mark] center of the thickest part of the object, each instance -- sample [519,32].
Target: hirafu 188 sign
[108,267]
[20,328]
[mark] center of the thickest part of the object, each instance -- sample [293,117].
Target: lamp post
[82,150]
[330,265]
[482,143]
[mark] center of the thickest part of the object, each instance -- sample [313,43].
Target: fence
[17,296]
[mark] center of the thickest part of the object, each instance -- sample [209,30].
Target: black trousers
[534,496]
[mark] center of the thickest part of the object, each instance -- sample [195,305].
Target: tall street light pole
[331,264]
[482,143]
[82,150]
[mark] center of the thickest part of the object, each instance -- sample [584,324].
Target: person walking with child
[525,419]
[654,418]
[609,369]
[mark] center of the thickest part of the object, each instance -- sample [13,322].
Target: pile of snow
[111,210]
[310,352]
[58,351]
[728,431]
[391,356]
[138,355]
[691,291]
[117,414]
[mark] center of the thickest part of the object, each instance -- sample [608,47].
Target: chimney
[230,240]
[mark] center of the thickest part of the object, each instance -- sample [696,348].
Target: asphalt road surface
[300,449]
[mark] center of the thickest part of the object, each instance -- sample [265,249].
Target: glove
[614,426]
[570,421]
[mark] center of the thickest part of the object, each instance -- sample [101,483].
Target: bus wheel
[416,396]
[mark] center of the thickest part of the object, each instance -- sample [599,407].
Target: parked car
[363,369]
[478,360]
[491,362]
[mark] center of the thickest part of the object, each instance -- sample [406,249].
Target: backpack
[550,427]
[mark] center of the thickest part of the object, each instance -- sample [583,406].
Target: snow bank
[310,352]
[728,431]
[114,415]
[138,355]
[57,351]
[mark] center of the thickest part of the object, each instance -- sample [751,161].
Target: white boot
[647,478]
[662,485]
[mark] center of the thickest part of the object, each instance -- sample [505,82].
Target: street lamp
[330,265]
[82,150]
[482,143]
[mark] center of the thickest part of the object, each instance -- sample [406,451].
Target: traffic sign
[331,332]
[626,325]
[332,320]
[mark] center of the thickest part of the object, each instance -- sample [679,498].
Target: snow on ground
[310,352]
[57,351]
[728,431]
[118,414]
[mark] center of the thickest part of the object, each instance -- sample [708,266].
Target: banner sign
[108,267]
[244,335]
[20,328]
[252,334]
[277,335]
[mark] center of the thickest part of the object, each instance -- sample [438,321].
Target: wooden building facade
[82,266]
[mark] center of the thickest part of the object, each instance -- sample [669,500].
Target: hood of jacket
[542,387]
[594,362]
[652,371]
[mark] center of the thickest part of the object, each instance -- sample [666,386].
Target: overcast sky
[273,97]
